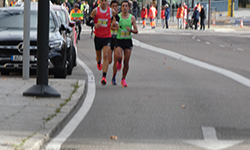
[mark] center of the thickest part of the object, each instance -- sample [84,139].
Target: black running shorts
[124,43]
[113,43]
[101,42]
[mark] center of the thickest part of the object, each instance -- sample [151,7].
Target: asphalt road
[170,103]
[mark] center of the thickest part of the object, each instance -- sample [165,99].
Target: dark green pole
[41,89]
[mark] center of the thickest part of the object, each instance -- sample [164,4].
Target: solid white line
[56,143]
[209,133]
[232,75]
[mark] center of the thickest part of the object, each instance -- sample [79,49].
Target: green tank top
[122,32]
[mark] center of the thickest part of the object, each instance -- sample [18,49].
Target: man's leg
[106,50]
[113,81]
[99,59]
[127,53]
[80,29]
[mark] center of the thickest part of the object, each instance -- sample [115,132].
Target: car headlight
[55,44]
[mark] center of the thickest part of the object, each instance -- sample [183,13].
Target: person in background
[152,13]
[179,16]
[203,17]
[163,16]
[144,15]
[198,6]
[68,5]
[79,3]
[196,16]
[167,12]
[78,20]
[135,8]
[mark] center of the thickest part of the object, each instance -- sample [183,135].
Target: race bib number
[125,33]
[103,22]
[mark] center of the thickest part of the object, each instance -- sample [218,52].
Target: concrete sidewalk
[28,122]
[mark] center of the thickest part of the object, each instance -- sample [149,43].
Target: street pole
[26,40]
[3,3]
[42,89]
[159,10]
[232,7]
[209,13]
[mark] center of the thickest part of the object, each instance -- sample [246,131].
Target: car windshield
[62,14]
[13,19]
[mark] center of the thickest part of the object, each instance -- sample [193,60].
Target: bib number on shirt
[125,33]
[103,22]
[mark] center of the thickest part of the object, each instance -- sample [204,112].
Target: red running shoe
[124,84]
[104,81]
[99,66]
[118,65]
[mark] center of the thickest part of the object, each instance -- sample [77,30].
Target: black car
[11,42]
[63,18]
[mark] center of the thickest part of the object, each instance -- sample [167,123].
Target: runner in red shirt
[102,22]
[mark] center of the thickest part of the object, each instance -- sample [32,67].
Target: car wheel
[62,73]
[5,73]
[70,64]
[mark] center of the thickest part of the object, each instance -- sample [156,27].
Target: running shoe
[113,81]
[104,81]
[119,65]
[99,66]
[124,84]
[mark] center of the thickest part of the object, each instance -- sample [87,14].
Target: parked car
[11,42]
[63,17]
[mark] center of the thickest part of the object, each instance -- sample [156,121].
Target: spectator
[154,3]
[68,5]
[144,15]
[196,16]
[203,17]
[167,12]
[135,8]
[152,13]
[198,6]
[79,4]
[162,17]
[179,16]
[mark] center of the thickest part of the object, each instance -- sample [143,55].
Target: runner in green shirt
[124,39]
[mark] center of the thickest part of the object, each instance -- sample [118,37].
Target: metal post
[209,13]
[159,10]
[26,40]
[41,89]
[232,8]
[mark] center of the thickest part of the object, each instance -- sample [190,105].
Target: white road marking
[211,141]
[222,45]
[240,49]
[209,133]
[208,43]
[232,75]
[193,37]
[56,142]
[198,40]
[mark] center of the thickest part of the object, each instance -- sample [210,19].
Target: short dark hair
[125,1]
[113,1]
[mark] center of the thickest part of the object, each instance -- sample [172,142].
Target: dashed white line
[222,45]
[208,43]
[198,40]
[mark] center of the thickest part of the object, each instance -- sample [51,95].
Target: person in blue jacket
[196,16]
[167,12]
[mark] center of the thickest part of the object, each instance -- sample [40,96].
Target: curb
[52,127]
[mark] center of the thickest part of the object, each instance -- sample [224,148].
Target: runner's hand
[97,25]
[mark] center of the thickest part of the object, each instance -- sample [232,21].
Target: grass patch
[58,110]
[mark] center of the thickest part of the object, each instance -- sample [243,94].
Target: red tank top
[105,20]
